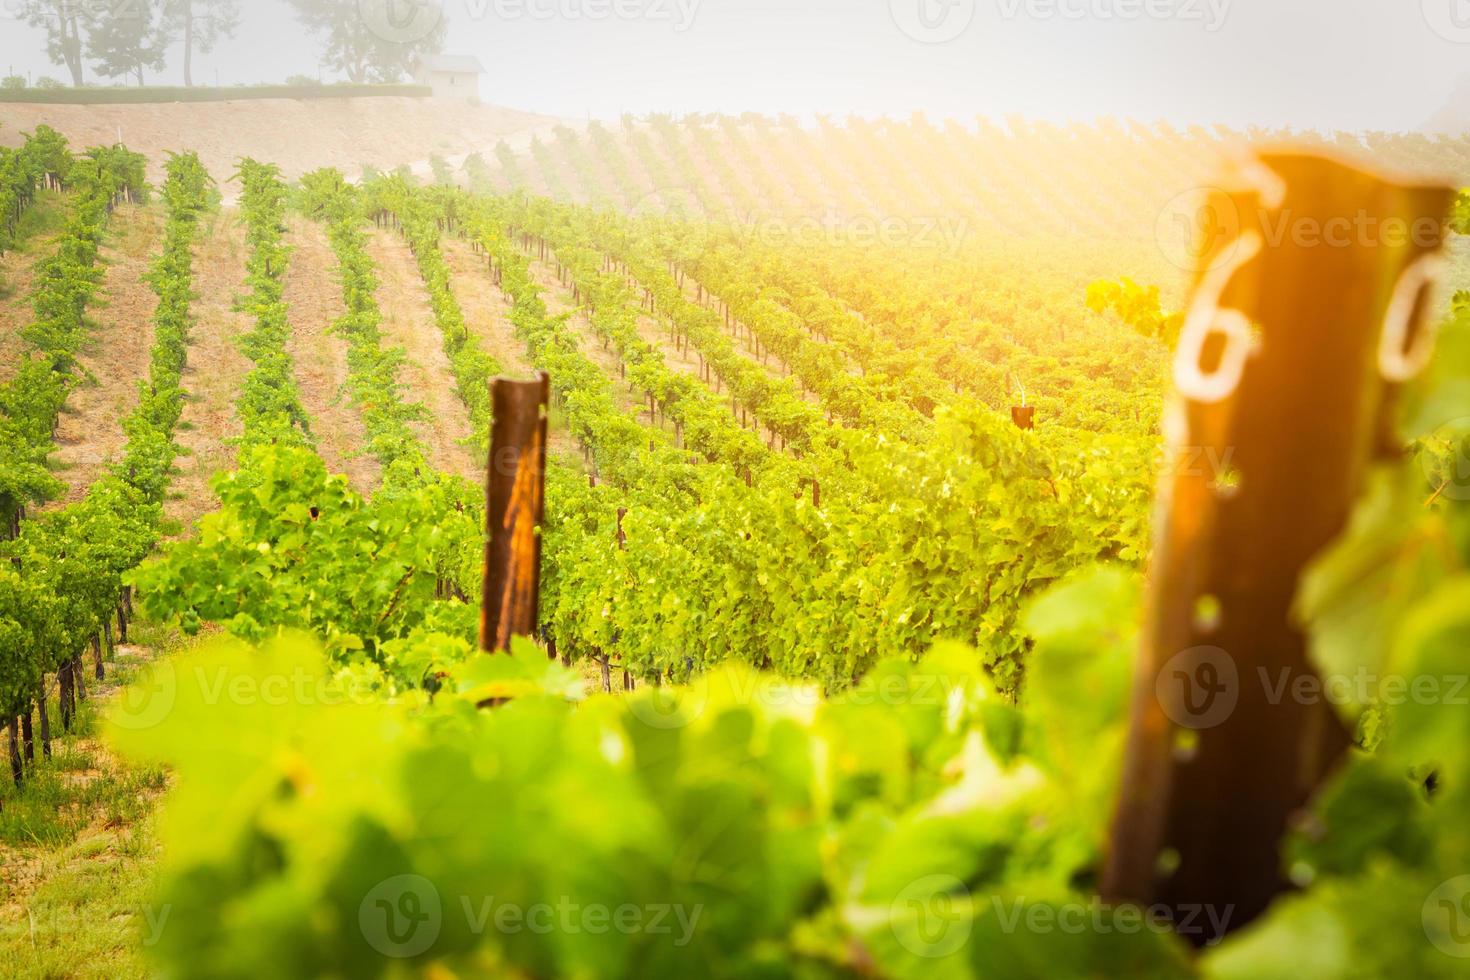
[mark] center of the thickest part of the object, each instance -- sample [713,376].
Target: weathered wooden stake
[65,695]
[44,718]
[622,540]
[515,507]
[17,768]
[1286,376]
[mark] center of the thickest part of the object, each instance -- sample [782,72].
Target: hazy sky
[1355,64]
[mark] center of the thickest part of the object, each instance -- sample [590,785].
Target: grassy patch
[84,910]
[137,236]
[46,216]
[36,229]
[78,845]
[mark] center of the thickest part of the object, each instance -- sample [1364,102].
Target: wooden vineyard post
[17,768]
[622,546]
[1307,314]
[43,718]
[515,494]
[66,694]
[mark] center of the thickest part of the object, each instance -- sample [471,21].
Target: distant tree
[373,40]
[48,83]
[13,83]
[64,22]
[127,38]
[200,25]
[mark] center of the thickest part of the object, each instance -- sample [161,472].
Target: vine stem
[397,595]
[1438,493]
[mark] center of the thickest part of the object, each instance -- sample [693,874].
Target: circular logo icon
[14,9]
[657,201]
[1197,229]
[1199,687]
[401,21]
[932,917]
[1447,917]
[933,21]
[347,687]
[668,707]
[148,701]
[1450,19]
[401,916]
[1446,461]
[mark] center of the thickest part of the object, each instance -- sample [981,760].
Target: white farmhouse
[451,76]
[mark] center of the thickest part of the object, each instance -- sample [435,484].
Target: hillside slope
[298,134]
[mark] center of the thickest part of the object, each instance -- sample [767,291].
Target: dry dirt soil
[300,135]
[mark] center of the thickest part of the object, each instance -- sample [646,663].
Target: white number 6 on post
[1206,317]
